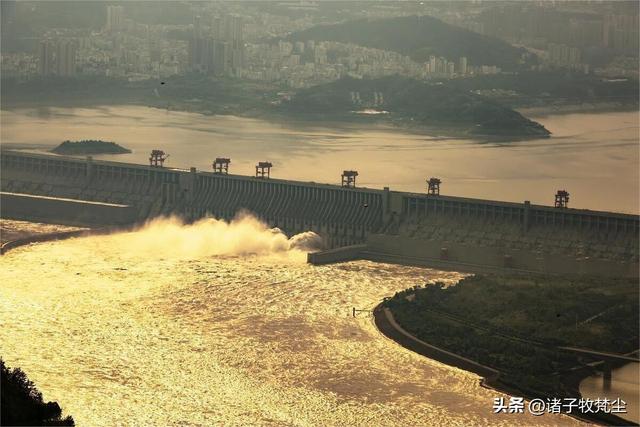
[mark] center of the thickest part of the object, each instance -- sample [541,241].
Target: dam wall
[342,216]
[413,225]
[342,254]
[447,255]
[64,211]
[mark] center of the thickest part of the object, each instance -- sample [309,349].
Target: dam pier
[427,229]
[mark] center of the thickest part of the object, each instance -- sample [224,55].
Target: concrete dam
[383,225]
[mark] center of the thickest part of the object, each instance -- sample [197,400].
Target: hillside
[529,88]
[421,36]
[417,102]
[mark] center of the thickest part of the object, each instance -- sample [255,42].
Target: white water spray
[244,235]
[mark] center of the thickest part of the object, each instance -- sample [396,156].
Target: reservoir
[587,155]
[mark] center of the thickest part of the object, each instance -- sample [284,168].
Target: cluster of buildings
[571,35]
[57,57]
[217,48]
[304,63]
[252,45]
[216,45]
[561,55]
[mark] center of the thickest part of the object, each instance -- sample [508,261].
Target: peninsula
[415,103]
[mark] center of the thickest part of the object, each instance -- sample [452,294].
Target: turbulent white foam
[244,235]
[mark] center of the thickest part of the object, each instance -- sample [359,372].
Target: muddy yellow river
[222,324]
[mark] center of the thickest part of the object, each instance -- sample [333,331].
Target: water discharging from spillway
[214,323]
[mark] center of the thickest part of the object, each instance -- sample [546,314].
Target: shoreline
[391,123]
[490,378]
[60,235]
[583,108]
[443,130]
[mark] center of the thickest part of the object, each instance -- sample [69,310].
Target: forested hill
[419,102]
[421,36]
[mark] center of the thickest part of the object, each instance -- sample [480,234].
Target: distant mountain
[416,102]
[421,36]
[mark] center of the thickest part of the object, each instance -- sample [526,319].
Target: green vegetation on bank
[22,403]
[89,146]
[419,37]
[531,89]
[515,324]
[480,105]
[193,92]
[417,102]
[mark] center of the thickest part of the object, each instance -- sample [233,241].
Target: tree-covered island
[89,146]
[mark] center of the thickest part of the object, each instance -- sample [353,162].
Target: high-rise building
[462,66]
[234,36]
[451,68]
[564,56]
[222,58]
[66,58]
[234,30]
[432,64]
[620,32]
[320,55]
[197,26]
[115,18]
[45,63]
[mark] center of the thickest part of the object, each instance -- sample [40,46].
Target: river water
[625,384]
[216,323]
[594,156]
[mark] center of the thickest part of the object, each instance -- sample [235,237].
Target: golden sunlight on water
[178,324]
[587,152]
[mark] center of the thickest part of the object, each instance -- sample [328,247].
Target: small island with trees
[89,146]
[519,332]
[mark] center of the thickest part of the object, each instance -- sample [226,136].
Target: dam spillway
[341,215]
[446,229]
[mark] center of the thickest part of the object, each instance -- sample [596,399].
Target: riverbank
[491,378]
[12,229]
[587,107]
[17,233]
[477,116]
[284,119]
[520,342]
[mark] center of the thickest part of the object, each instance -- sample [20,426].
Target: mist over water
[244,235]
[222,323]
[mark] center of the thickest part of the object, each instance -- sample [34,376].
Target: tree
[22,405]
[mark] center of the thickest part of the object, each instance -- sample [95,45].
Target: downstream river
[180,325]
[588,154]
